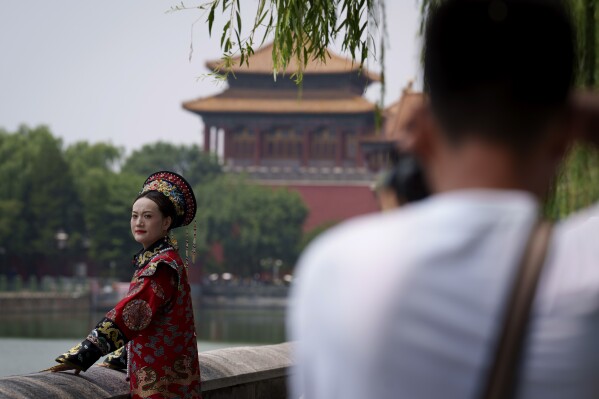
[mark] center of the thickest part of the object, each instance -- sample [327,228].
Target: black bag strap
[501,382]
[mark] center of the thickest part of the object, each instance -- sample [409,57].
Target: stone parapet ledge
[240,373]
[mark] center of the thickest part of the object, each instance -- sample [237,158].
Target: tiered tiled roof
[286,99]
[261,63]
[278,105]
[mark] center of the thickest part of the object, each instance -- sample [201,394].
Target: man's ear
[422,135]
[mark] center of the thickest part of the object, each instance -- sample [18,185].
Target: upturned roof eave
[262,57]
[200,111]
[371,77]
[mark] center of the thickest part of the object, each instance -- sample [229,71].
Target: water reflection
[260,326]
[235,325]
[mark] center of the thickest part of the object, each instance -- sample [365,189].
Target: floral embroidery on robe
[150,332]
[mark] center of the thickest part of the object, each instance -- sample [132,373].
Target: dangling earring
[187,247]
[193,248]
[171,240]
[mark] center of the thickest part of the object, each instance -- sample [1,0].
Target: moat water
[30,342]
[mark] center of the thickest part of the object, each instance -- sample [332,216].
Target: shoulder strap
[501,380]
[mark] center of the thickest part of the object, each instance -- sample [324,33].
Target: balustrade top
[231,372]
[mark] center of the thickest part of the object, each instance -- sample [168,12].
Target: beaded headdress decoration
[177,190]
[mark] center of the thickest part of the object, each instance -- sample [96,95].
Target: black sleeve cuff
[107,337]
[117,360]
[82,356]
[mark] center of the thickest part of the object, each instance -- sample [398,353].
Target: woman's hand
[63,367]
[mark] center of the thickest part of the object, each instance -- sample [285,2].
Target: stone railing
[240,373]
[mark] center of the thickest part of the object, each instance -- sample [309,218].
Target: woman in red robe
[151,332]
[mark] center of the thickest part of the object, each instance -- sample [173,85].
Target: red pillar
[207,139]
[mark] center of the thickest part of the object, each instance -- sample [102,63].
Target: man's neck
[479,164]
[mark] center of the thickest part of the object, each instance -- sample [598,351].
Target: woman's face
[147,223]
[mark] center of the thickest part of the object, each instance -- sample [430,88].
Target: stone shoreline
[18,302]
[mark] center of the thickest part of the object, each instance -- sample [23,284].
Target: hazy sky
[118,71]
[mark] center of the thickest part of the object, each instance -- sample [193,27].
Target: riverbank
[232,325]
[12,302]
[32,302]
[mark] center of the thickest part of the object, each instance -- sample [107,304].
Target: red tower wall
[333,203]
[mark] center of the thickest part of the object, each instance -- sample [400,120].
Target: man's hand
[63,367]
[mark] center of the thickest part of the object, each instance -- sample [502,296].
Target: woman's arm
[130,317]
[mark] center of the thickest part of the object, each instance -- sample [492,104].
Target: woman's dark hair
[165,206]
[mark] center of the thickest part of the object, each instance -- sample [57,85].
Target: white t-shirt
[407,304]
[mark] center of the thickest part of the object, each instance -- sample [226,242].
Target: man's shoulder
[369,228]
[363,238]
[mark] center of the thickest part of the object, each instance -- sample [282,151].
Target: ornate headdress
[177,190]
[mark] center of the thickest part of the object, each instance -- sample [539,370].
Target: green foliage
[302,30]
[13,153]
[584,13]
[105,199]
[80,191]
[108,197]
[39,197]
[51,199]
[9,208]
[574,189]
[189,161]
[253,224]
[83,156]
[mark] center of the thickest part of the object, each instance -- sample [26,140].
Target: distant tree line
[63,205]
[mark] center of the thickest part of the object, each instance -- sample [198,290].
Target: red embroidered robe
[151,331]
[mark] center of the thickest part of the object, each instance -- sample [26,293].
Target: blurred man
[408,304]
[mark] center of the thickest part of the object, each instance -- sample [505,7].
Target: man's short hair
[498,69]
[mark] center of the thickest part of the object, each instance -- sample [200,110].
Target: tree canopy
[252,224]
[189,161]
[81,192]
